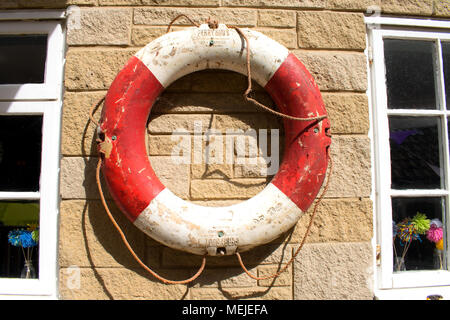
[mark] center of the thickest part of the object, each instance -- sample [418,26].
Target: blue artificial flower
[14,237]
[27,239]
[21,238]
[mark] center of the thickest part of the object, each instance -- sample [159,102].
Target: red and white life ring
[209,230]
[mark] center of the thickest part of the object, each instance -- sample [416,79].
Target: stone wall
[328,36]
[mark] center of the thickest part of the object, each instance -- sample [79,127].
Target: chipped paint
[193,228]
[105,147]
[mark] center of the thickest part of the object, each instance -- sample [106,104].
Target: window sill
[408,279]
[12,288]
[412,293]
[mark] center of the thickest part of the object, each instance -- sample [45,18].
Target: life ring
[182,225]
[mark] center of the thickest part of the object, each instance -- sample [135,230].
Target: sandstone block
[331,30]
[163,16]
[210,150]
[337,220]
[268,254]
[245,122]
[257,170]
[259,293]
[78,179]
[286,37]
[441,8]
[81,284]
[275,3]
[336,71]
[187,3]
[284,279]
[349,113]
[88,69]
[211,171]
[166,145]
[120,2]
[88,238]
[207,102]
[225,278]
[218,82]
[253,293]
[207,294]
[226,189]
[78,133]
[173,175]
[276,18]
[171,258]
[82,2]
[179,123]
[351,175]
[117,284]
[143,36]
[53,4]
[261,255]
[334,271]
[357,5]
[408,7]
[101,26]
[246,145]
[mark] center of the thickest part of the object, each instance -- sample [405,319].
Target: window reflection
[410,74]
[22,58]
[20,152]
[446,65]
[415,153]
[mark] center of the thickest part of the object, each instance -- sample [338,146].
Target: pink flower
[434,234]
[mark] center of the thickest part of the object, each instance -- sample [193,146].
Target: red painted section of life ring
[127,170]
[305,159]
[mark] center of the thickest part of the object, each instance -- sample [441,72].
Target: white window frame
[410,284]
[51,87]
[46,100]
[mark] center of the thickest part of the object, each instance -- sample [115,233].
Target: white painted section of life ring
[218,230]
[177,54]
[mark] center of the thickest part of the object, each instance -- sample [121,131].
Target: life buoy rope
[105,148]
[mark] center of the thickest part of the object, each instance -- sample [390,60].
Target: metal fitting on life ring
[180,224]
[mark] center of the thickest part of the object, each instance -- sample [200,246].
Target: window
[409,67]
[31,60]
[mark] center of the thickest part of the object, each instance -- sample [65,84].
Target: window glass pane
[418,231]
[20,152]
[22,58]
[410,74]
[415,153]
[446,59]
[19,238]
